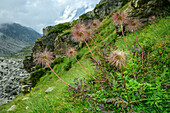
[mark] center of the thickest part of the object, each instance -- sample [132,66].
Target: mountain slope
[59,99]
[147,84]
[14,37]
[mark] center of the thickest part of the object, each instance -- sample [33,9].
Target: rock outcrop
[11,72]
[143,9]
[62,44]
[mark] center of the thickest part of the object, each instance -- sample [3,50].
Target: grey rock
[25,98]
[49,89]
[11,108]
[143,9]
[10,75]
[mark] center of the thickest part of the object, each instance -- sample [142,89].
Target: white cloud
[66,17]
[40,13]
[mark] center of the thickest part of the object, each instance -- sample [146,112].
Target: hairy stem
[124,36]
[95,44]
[83,67]
[124,83]
[139,45]
[102,39]
[95,58]
[58,76]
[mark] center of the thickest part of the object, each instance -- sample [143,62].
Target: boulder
[11,108]
[49,89]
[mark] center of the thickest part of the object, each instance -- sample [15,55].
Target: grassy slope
[58,100]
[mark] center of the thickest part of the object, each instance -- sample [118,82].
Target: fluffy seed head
[43,57]
[120,19]
[117,58]
[151,18]
[80,33]
[94,24]
[134,25]
[71,52]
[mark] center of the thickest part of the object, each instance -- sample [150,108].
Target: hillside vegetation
[141,85]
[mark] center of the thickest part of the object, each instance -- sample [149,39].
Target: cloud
[67,16]
[40,13]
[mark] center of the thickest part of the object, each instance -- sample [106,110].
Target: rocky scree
[11,72]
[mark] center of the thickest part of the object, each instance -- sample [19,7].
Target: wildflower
[71,52]
[151,18]
[134,25]
[120,18]
[27,107]
[43,57]
[94,24]
[117,58]
[80,33]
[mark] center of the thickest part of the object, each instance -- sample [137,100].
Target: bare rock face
[143,9]
[45,42]
[62,44]
[47,29]
[29,64]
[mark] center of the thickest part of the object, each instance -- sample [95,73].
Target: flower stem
[139,44]
[124,36]
[95,44]
[124,83]
[83,67]
[58,76]
[95,58]
[102,39]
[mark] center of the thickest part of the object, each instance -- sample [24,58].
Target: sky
[38,14]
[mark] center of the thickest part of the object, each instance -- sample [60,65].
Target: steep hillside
[14,37]
[132,84]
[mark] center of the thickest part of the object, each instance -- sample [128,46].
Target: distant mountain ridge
[14,37]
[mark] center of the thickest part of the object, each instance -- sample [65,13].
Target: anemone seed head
[117,58]
[80,33]
[94,24]
[151,18]
[121,18]
[43,57]
[134,25]
[71,52]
